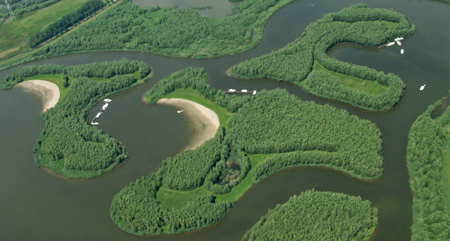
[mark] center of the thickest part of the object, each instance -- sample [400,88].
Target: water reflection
[214,9]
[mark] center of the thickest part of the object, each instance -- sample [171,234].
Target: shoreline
[204,121]
[47,91]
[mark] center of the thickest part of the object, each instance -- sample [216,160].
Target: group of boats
[242,91]
[101,112]
[396,40]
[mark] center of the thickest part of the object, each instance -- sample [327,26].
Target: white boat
[94,123]
[231,90]
[98,114]
[398,39]
[390,44]
[107,100]
[105,106]
[179,111]
[422,87]
[244,91]
[402,51]
[399,43]
[254,92]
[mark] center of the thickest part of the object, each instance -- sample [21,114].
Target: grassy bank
[195,96]
[352,82]
[14,35]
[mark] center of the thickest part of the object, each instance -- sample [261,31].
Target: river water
[38,205]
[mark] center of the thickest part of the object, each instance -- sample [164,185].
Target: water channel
[37,205]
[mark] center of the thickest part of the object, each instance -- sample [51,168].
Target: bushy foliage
[195,78]
[65,22]
[188,169]
[170,32]
[277,122]
[136,210]
[294,159]
[357,24]
[18,7]
[102,69]
[68,144]
[314,215]
[424,160]
[222,169]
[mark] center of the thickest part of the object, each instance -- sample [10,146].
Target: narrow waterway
[36,205]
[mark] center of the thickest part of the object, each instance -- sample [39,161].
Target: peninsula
[304,61]
[258,136]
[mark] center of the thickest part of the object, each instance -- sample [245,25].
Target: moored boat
[105,106]
[423,87]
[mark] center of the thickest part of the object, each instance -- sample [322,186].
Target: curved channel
[39,206]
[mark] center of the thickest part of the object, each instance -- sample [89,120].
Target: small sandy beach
[47,91]
[204,121]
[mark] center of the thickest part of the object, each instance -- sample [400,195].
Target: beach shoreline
[204,121]
[47,91]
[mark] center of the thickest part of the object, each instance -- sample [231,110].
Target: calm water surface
[37,205]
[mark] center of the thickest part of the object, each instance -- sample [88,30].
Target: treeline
[425,167]
[18,7]
[277,122]
[136,210]
[326,85]
[65,22]
[357,24]
[195,78]
[314,215]
[68,144]
[187,170]
[169,32]
[102,69]
[295,159]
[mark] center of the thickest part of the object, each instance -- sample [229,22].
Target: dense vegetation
[68,144]
[277,122]
[65,22]
[357,24]
[426,142]
[18,7]
[314,215]
[168,31]
[136,210]
[270,122]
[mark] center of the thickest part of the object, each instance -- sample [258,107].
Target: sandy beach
[47,91]
[204,121]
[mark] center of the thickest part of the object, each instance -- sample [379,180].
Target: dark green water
[36,205]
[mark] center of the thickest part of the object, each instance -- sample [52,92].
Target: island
[305,63]
[428,161]
[258,136]
[314,215]
[69,145]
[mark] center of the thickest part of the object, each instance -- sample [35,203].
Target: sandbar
[47,91]
[204,121]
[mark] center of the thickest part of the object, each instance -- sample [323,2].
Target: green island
[314,215]
[305,62]
[258,136]
[428,161]
[68,145]
[163,31]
